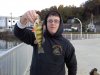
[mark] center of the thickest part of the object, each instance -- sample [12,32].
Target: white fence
[16,61]
[78,36]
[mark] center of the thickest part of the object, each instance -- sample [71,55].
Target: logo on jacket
[57,50]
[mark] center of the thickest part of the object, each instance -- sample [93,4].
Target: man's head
[52,22]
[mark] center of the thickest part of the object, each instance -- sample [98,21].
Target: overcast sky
[18,7]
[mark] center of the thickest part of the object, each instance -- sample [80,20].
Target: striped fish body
[38,31]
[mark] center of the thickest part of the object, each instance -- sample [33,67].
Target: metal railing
[78,36]
[16,61]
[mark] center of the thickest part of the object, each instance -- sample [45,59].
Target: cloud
[18,7]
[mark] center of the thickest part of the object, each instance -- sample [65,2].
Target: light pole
[11,19]
[80,24]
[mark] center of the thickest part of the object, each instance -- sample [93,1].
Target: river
[6,44]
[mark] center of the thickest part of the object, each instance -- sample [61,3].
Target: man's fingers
[32,16]
[29,17]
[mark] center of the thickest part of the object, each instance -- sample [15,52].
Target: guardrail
[78,36]
[16,61]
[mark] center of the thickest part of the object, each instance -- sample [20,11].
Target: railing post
[87,36]
[71,36]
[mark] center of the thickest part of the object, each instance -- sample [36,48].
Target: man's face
[53,24]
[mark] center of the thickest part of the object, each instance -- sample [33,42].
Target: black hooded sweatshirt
[57,51]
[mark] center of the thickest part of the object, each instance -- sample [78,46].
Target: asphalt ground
[88,55]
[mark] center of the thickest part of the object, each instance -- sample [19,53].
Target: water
[6,44]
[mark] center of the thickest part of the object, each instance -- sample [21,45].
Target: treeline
[83,12]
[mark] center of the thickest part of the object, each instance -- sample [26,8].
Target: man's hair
[53,13]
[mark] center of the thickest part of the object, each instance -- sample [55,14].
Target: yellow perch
[38,30]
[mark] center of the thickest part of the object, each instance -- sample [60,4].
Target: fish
[38,31]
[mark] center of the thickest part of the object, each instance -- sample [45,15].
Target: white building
[7,22]
[91,26]
[3,21]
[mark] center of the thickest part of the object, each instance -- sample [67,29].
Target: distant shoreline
[6,34]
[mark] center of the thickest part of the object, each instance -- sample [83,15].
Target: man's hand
[29,16]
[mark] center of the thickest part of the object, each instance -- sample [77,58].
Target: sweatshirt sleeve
[23,34]
[70,59]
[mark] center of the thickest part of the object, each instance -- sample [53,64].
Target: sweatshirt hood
[60,29]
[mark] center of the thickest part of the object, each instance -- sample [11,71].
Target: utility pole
[11,19]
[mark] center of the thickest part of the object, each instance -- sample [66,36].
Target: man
[58,51]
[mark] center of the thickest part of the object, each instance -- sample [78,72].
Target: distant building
[3,21]
[97,25]
[91,27]
[71,27]
[7,21]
